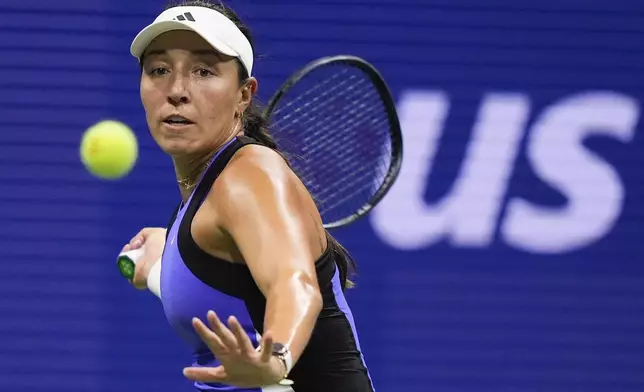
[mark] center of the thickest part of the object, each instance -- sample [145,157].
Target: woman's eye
[158,71]
[204,73]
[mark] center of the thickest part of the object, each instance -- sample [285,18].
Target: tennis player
[250,278]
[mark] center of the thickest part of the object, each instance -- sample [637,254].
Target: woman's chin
[184,146]
[178,147]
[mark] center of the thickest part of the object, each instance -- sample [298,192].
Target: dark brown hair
[256,126]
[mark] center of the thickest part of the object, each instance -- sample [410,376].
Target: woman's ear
[246,93]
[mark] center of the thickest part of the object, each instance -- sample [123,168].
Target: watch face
[279,348]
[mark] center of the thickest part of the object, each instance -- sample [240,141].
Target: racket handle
[126,263]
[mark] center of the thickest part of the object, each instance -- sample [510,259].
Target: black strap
[211,174]
[172,218]
[232,279]
[215,170]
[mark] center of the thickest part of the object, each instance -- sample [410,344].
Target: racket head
[320,74]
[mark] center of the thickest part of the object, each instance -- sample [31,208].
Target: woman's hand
[154,240]
[241,364]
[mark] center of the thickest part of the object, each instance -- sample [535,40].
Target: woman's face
[184,76]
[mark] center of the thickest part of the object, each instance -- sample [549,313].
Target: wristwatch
[283,353]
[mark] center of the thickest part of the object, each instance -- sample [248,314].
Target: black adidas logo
[185,16]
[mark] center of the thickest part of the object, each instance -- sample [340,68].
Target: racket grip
[126,263]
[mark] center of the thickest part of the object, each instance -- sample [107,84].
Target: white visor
[212,26]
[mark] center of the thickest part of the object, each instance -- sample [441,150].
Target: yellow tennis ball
[109,149]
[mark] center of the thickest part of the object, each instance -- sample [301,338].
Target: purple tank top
[185,296]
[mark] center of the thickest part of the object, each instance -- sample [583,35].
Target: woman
[247,242]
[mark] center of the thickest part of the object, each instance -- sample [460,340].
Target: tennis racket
[336,121]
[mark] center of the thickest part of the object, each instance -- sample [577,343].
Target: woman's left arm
[275,224]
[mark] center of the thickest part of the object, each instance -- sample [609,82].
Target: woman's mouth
[177,120]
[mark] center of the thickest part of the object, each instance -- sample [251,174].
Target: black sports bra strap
[172,218]
[215,169]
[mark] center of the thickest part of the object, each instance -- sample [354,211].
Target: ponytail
[344,261]
[256,126]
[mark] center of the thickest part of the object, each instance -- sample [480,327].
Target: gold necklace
[186,183]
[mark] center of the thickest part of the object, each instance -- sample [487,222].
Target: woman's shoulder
[253,159]
[257,166]
[257,172]
[257,191]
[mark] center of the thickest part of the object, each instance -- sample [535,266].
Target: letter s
[593,188]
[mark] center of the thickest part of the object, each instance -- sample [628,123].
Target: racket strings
[353,117]
[288,120]
[310,92]
[351,195]
[339,128]
[290,111]
[349,118]
[358,177]
[351,166]
[354,170]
